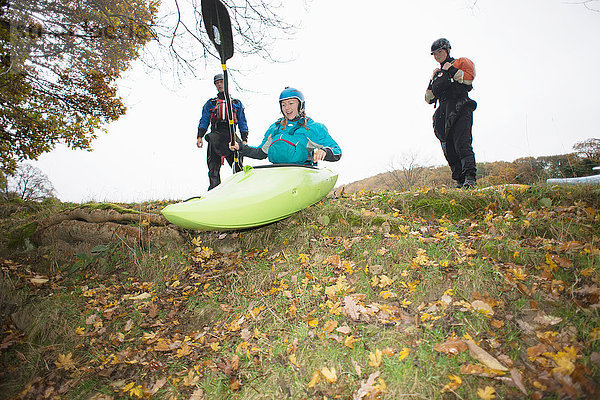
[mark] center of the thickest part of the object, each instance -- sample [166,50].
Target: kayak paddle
[218,27]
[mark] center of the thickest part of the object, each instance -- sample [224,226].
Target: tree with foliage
[58,67]
[60,61]
[589,148]
[29,183]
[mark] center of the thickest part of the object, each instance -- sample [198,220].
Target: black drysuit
[453,118]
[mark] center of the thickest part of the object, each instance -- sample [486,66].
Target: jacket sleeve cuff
[201,132]
[329,156]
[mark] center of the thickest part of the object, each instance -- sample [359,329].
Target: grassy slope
[354,292]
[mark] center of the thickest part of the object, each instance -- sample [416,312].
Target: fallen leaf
[191,378]
[293,360]
[128,325]
[349,341]
[483,307]
[38,280]
[235,384]
[157,385]
[153,310]
[375,358]
[488,393]
[142,296]
[316,378]
[197,395]
[518,380]
[366,386]
[330,375]
[344,329]
[65,361]
[403,353]
[484,357]
[330,325]
[452,346]
[455,383]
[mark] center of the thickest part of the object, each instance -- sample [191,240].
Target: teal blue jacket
[294,142]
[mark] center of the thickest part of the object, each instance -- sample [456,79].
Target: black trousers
[218,146]
[458,148]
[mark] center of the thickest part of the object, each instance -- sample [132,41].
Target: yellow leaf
[65,361]
[80,330]
[330,375]
[595,334]
[380,385]
[184,350]
[330,325]
[384,281]
[303,258]
[375,358]
[313,322]
[293,360]
[316,378]
[215,346]
[292,310]
[587,272]
[190,379]
[128,387]
[349,342]
[403,353]
[488,393]
[455,383]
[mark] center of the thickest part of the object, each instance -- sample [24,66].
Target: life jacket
[219,110]
[287,146]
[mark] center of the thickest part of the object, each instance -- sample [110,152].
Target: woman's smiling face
[289,107]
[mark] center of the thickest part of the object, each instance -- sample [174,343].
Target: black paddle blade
[218,27]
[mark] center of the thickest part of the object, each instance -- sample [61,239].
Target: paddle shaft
[216,16]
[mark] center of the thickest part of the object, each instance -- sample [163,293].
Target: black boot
[470,183]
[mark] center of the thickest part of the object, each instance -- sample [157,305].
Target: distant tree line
[526,170]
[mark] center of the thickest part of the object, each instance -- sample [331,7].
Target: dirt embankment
[80,229]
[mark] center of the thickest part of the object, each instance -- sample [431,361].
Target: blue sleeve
[319,134]
[205,119]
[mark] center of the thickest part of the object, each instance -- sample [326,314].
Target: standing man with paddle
[453,119]
[214,113]
[218,28]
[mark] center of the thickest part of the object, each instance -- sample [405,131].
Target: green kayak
[253,197]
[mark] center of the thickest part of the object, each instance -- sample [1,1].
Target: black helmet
[218,77]
[441,44]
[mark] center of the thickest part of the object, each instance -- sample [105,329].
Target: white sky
[363,70]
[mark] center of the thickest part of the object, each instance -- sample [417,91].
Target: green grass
[266,294]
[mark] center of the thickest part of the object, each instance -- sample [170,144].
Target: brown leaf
[226,307]
[235,362]
[235,384]
[452,346]
[157,385]
[128,325]
[153,310]
[330,325]
[536,351]
[484,357]
[191,378]
[518,380]
[197,395]
[344,329]
[366,386]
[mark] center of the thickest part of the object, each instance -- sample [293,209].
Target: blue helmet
[291,93]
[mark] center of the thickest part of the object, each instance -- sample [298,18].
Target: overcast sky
[363,68]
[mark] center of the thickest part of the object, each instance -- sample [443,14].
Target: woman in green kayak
[294,138]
